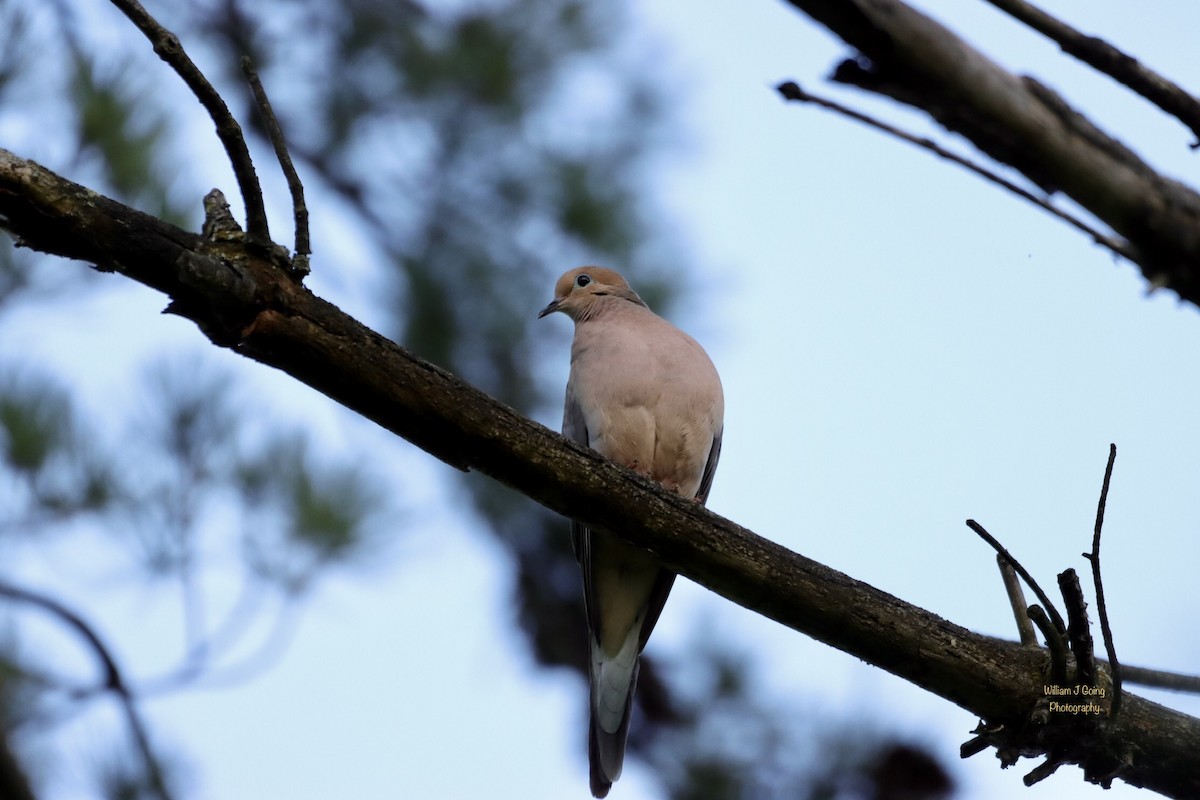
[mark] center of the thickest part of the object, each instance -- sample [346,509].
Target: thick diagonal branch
[1020,122]
[251,306]
[1099,54]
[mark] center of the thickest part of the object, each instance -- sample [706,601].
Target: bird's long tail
[613,680]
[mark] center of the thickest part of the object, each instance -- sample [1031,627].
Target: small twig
[974,746]
[1054,641]
[1042,771]
[1078,632]
[1101,608]
[303,250]
[984,737]
[1101,55]
[113,680]
[170,50]
[1059,625]
[790,90]
[1016,598]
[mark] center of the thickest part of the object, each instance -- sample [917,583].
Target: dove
[644,394]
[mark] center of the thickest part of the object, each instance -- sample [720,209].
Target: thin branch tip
[169,48]
[1054,643]
[1016,599]
[1101,605]
[790,90]
[302,250]
[1059,625]
[1107,59]
[973,746]
[1078,632]
[1042,771]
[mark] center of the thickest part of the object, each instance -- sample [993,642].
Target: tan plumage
[644,394]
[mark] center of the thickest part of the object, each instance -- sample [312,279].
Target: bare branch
[906,55]
[1047,604]
[1016,598]
[975,745]
[790,90]
[1042,771]
[1161,679]
[1101,608]
[1125,69]
[1078,631]
[1054,642]
[170,49]
[303,249]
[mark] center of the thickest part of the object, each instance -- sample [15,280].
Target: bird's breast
[650,402]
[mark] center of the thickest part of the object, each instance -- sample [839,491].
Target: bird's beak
[551,308]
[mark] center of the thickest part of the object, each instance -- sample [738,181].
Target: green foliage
[51,473]
[475,57]
[35,419]
[121,129]
[166,485]
[297,514]
[320,512]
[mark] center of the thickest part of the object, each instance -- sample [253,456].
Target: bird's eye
[583,280]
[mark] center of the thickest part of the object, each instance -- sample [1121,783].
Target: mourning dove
[644,394]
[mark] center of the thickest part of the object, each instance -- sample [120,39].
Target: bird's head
[580,291]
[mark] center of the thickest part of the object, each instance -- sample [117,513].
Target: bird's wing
[710,468]
[575,428]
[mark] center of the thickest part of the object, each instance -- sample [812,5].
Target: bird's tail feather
[606,750]
[613,683]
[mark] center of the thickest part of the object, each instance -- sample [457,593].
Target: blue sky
[902,347]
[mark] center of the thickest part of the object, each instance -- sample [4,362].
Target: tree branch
[790,90]
[170,49]
[245,301]
[1059,626]
[1078,631]
[1016,599]
[1123,68]
[303,248]
[1054,643]
[1101,606]
[1161,679]
[1018,121]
